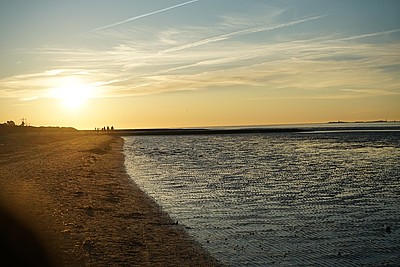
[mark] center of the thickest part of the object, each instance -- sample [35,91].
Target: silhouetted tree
[10,123]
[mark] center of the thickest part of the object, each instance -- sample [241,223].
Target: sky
[179,63]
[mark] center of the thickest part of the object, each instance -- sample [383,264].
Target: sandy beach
[72,191]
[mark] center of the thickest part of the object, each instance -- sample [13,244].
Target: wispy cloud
[356,37]
[226,36]
[24,99]
[328,65]
[143,16]
[297,66]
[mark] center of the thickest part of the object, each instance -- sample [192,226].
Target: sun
[73,93]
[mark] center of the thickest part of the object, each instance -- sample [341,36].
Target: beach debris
[78,193]
[66,231]
[134,215]
[113,199]
[88,245]
[89,210]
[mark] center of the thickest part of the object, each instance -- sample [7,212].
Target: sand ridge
[72,189]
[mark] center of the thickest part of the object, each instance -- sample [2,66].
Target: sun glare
[73,94]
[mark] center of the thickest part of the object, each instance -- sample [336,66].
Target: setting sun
[73,94]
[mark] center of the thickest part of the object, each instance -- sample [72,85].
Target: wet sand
[72,191]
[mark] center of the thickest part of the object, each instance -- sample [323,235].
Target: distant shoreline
[217,130]
[324,127]
[202,131]
[38,129]
[377,121]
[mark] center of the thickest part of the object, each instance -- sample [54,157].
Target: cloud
[301,64]
[295,66]
[53,72]
[226,36]
[24,99]
[356,37]
[143,16]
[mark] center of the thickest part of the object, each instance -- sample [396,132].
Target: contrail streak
[368,35]
[241,32]
[143,16]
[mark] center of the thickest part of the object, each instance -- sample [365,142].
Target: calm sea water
[281,199]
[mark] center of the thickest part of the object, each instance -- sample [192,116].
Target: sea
[327,196]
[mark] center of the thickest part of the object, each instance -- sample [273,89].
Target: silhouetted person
[108,129]
[112,128]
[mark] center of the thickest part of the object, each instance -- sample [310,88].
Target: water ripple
[279,199]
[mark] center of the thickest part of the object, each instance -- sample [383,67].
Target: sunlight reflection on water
[278,199]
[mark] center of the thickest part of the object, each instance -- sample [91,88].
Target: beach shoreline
[73,192]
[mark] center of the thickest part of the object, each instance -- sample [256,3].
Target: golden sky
[148,64]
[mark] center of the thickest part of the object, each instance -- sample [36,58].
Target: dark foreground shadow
[19,246]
